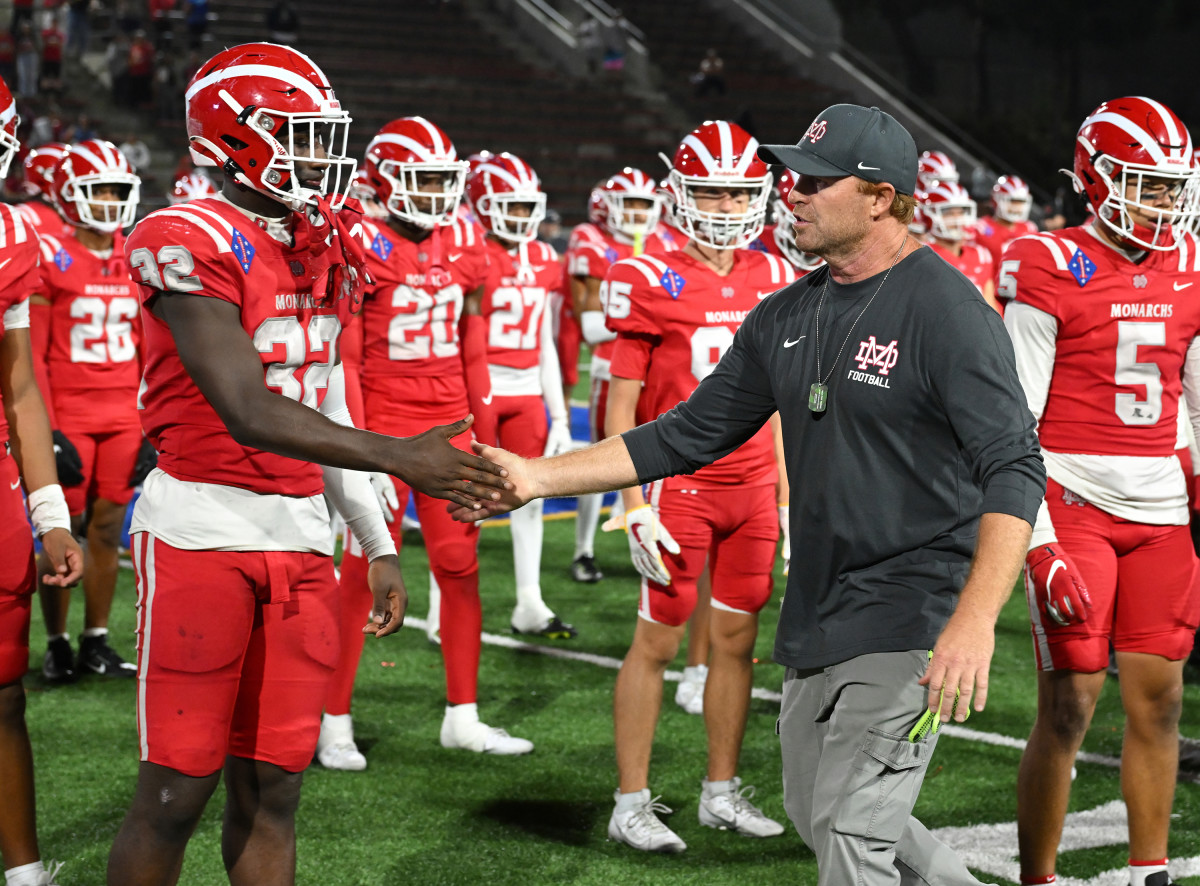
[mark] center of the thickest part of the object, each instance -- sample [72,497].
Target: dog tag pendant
[818,397]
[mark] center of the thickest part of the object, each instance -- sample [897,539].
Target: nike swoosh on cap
[867,168]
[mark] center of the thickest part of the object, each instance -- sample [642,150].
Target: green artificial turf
[424,815]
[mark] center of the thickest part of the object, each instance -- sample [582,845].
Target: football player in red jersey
[1011,202]
[86,336]
[950,214]
[42,210]
[523,272]
[776,238]
[423,359]
[26,456]
[1105,326]
[624,213]
[244,297]
[675,315]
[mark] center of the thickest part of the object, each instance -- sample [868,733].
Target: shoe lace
[645,818]
[52,869]
[741,802]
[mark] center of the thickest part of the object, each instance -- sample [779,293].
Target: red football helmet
[83,170]
[1137,145]
[39,168]
[498,183]
[402,155]
[257,110]
[719,154]
[949,209]
[782,217]
[608,204]
[935,166]
[8,129]
[919,225]
[192,186]
[1011,199]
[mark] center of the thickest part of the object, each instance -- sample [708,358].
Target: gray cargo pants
[851,776]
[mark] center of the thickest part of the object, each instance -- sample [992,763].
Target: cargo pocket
[882,786]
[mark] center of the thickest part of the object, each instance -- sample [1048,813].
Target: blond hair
[904,206]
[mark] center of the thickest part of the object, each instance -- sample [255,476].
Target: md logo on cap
[815,131]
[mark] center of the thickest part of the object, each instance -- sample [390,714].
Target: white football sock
[527,530]
[25,875]
[587,522]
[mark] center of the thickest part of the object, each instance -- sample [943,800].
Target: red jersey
[766,242]
[42,216]
[19,274]
[674,318]
[592,250]
[95,333]
[1123,330]
[514,302]
[209,248]
[974,261]
[411,313]
[992,235]
[52,45]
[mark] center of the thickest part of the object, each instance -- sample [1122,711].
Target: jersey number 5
[1130,335]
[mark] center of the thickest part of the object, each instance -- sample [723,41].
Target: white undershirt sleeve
[1191,388]
[1033,334]
[594,330]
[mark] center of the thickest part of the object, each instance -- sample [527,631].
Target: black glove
[146,460]
[67,460]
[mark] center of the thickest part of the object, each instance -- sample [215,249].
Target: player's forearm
[1000,552]
[603,467]
[32,444]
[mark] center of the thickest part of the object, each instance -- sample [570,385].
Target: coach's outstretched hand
[430,464]
[519,489]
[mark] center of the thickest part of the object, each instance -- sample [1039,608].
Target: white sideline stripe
[606,661]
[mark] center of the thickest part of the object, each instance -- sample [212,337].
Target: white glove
[385,491]
[645,535]
[785,525]
[558,440]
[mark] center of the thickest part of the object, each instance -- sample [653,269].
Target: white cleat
[482,739]
[689,695]
[641,827]
[335,745]
[733,811]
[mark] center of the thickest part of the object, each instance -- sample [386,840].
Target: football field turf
[424,815]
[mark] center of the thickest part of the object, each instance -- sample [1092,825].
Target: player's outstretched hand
[66,558]
[521,487]
[1054,578]
[431,465]
[958,670]
[390,598]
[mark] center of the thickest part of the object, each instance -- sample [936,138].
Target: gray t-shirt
[926,429]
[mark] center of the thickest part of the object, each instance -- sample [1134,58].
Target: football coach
[915,480]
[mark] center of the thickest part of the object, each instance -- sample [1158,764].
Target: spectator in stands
[710,77]
[22,11]
[167,98]
[79,27]
[196,18]
[45,127]
[79,131]
[53,41]
[160,21]
[141,70]
[116,57]
[283,22]
[551,231]
[27,59]
[126,15]
[135,152]
[8,57]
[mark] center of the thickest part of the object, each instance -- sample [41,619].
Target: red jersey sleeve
[177,250]
[1036,271]
[631,356]
[629,293]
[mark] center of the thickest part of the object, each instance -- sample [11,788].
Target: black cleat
[97,657]
[584,569]
[555,629]
[1159,878]
[59,664]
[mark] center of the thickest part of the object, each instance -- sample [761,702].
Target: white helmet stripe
[404,141]
[702,153]
[725,135]
[282,74]
[107,163]
[501,173]
[1145,139]
[748,156]
[440,145]
[1176,137]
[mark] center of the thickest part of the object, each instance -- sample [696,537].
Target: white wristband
[48,510]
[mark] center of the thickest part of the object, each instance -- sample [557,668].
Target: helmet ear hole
[234,144]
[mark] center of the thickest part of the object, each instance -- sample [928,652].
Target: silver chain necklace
[818,393]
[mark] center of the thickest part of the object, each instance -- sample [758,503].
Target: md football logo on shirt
[872,353]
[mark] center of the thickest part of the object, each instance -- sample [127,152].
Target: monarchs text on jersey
[210,248]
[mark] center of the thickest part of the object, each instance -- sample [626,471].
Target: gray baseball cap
[852,140]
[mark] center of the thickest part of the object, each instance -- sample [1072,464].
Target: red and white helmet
[193,186]
[1137,143]
[716,154]
[87,167]
[919,224]
[39,168]
[402,151]
[935,166]
[9,120]
[782,217]
[949,209]
[257,110]
[498,182]
[1011,199]
[608,202]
